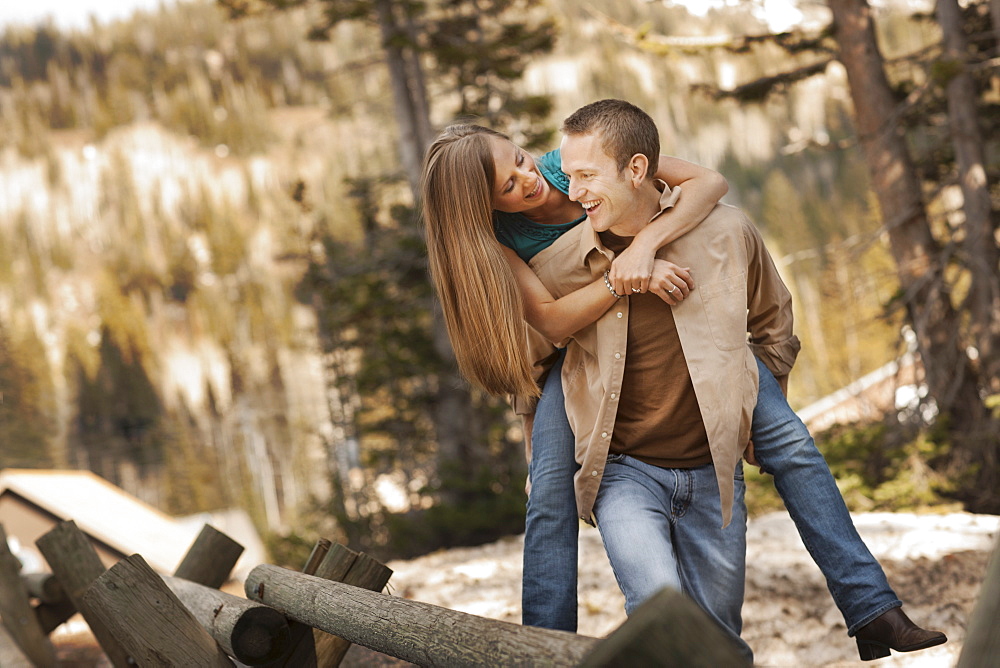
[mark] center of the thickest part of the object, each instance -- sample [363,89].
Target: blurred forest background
[213,285]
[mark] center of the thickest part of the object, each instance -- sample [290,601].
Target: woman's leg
[548,585]
[785,449]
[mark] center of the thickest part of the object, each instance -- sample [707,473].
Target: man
[662,400]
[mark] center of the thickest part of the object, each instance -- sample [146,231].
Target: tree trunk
[407,96]
[917,255]
[995,18]
[979,245]
[951,379]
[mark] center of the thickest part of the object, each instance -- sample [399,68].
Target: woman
[478,187]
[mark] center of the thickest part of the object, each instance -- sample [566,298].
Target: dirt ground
[935,563]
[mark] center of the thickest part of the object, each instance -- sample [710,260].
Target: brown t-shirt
[659,421]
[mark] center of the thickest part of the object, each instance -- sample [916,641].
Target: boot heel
[870,651]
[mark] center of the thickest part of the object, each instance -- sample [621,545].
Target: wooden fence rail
[420,633]
[15,609]
[252,633]
[148,620]
[74,561]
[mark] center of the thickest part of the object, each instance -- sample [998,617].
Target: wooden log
[319,551]
[149,620]
[331,561]
[51,615]
[252,633]
[982,641]
[11,655]
[669,629]
[16,611]
[210,559]
[420,633]
[44,586]
[365,572]
[74,561]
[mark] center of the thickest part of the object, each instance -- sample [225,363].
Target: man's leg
[633,515]
[712,559]
[548,584]
[785,449]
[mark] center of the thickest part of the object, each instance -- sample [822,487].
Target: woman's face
[518,185]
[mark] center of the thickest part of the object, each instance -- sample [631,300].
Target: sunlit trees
[396,385]
[947,268]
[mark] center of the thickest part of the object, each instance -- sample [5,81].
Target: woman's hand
[670,282]
[631,269]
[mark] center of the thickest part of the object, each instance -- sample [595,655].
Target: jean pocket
[615,458]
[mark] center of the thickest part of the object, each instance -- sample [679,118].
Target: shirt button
[604,434]
[613,395]
[593,473]
[618,356]
[619,314]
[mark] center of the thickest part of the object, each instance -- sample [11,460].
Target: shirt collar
[590,241]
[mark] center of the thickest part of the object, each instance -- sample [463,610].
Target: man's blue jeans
[661,528]
[548,584]
[785,450]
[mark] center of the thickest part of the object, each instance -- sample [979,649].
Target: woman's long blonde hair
[482,304]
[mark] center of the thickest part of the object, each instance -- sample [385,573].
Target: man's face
[607,194]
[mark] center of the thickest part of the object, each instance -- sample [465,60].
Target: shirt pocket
[725,306]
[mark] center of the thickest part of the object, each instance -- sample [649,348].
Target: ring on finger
[671,290]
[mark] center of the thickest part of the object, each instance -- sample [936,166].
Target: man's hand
[631,270]
[749,455]
[670,282]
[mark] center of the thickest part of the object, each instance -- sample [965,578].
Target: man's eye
[520,159]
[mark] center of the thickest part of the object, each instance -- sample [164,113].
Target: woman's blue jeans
[548,584]
[785,450]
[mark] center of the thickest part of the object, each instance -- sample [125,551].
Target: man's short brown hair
[625,130]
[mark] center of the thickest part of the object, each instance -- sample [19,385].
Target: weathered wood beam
[43,586]
[982,640]
[364,572]
[252,633]
[74,561]
[51,615]
[11,655]
[417,632]
[149,621]
[327,559]
[16,611]
[210,559]
[669,629]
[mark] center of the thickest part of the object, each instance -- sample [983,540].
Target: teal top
[521,234]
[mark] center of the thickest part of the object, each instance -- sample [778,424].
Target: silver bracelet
[611,288]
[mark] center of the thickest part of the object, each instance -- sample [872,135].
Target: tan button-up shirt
[738,292]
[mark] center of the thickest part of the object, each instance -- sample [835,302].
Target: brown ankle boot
[894,630]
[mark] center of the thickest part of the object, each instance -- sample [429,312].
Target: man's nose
[574,190]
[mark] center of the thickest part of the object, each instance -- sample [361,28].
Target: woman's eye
[520,159]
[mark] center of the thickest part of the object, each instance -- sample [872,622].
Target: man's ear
[638,164]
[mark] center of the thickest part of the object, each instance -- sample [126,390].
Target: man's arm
[769,305]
